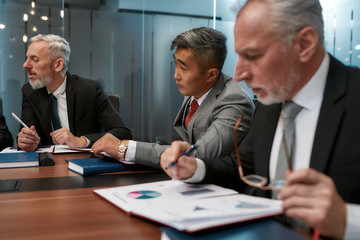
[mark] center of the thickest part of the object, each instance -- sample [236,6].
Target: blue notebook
[252,230]
[89,166]
[19,159]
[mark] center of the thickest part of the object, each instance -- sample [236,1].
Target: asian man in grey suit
[199,58]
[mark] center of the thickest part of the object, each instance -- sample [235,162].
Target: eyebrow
[180,61]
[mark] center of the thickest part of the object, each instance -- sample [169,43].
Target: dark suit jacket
[6,139]
[336,147]
[90,112]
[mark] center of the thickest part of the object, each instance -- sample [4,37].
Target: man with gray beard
[61,108]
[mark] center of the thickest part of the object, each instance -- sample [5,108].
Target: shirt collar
[60,90]
[312,93]
[201,99]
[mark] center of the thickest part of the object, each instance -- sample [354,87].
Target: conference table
[52,202]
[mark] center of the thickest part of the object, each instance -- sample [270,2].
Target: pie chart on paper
[143,194]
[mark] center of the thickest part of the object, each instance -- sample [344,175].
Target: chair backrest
[115,101]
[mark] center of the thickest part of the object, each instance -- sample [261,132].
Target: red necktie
[193,108]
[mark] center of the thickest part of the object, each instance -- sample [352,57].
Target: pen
[187,153]
[19,120]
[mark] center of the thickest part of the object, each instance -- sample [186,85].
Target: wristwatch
[123,146]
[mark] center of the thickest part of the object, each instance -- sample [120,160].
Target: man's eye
[252,57]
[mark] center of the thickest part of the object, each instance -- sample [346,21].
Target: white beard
[41,82]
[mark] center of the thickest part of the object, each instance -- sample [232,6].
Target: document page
[205,213]
[149,195]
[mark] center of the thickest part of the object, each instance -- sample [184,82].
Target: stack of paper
[189,207]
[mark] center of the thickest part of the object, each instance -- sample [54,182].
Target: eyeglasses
[256,180]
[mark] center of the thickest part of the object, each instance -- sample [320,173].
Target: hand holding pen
[187,153]
[28,139]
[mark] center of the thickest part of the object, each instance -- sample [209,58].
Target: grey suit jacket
[212,125]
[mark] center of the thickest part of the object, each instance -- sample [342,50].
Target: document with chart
[189,207]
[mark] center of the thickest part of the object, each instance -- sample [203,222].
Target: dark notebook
[19,159]
[254,230]
[89,166]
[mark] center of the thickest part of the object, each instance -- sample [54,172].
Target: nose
[26,64]
[241,70]
[176,74]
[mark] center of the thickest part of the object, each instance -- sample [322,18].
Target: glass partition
[125,45]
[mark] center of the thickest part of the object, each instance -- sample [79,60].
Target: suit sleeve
[6,139]
[109,119]
[148,154]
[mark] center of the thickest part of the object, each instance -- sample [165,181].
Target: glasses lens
[256,180]
[277,183]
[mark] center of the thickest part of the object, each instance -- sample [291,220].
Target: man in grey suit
[199,57]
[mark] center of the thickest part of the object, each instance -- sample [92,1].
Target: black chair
[115,101]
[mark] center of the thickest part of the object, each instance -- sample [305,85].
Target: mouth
[32,75]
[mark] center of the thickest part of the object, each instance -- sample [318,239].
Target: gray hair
[209,46]
[58,47]
[290,16]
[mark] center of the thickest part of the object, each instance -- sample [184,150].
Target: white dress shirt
[60,94]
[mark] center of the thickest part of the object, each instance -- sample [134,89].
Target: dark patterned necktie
[54,112]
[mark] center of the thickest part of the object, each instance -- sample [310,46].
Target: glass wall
[125,45]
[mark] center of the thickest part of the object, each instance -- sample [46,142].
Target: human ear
[59,65]
[307,41]
[213,74]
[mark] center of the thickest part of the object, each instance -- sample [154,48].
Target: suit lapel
[70,101]
[264,127]
[210,98]
[178,123]
[330,116]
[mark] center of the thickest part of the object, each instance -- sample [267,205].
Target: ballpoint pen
[187,153]
[21,122]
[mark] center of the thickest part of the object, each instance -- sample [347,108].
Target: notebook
[19,159]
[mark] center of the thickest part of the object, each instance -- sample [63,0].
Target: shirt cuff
[87,141]
[352,229]
[130,152]
[199,174]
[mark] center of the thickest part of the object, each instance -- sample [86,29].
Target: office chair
[115,101]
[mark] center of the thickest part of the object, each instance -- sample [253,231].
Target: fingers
[64,137]
[312,197]
[309,176]
[108,143]
[28,139]
[185,166]
[184,169]
[172,153]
